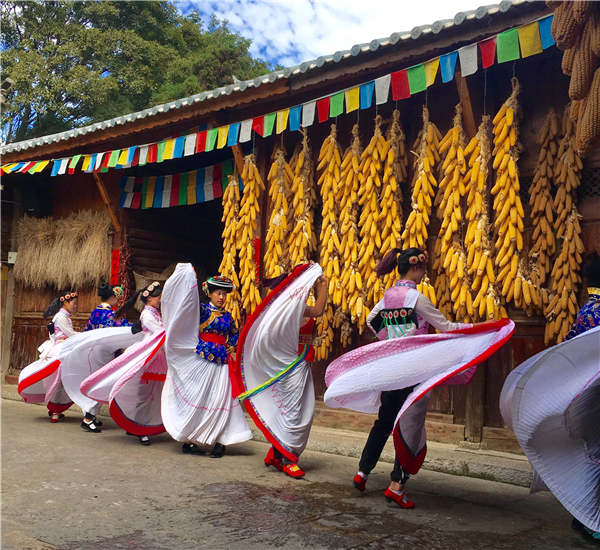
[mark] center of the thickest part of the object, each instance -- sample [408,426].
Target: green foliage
[74,63]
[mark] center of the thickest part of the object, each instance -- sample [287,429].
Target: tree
[74,63]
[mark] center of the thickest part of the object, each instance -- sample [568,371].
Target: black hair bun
[105,291]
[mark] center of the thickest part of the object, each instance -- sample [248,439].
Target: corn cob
[302,240]
[424,184]
[247,229]
[350,280]
[369,250]
[508,221]
[231,212]
[442,290]
[425,288]
[562,307]
[540,200]
[276,258]
[390,201]
[329,184]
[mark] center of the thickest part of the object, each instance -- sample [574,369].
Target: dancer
[274,356]
[395,375]
[103,316]
[40,381]
[198,407]
[552,403]
[131,384]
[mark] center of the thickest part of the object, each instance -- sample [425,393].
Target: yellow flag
[282,120]
[431,69]
[169,148]
[122,157]
[86,162]
[529,38]
[352,99]
[42,165]
[191,187]
[222,136]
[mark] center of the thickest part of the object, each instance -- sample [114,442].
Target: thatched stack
[70,252]
[576,29]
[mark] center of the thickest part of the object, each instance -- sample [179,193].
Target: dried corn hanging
[231,212]
[442,290]
[302,240]
[247,229]
[540,200]
[276,258]
[390,202]
[480,264]
[350,280]
[369,251]
[330,161]
[565,280]
[424,184]
[508,221]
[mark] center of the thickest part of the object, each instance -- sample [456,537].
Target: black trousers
[391,403]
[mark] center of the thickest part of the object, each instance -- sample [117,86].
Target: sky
[289,32]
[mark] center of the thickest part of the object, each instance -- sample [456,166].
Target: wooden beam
[239,158]
[113,216]
[475,407]
[465,102]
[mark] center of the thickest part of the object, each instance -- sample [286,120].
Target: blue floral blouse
[216,321]
[103,316]
[588,316]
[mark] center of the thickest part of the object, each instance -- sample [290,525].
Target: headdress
[150,289]
[68,297]
[117,291]
[418,258]
[218,281]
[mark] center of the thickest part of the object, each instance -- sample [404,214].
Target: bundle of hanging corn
[350,281]
[480,264]
[228,267]
[540,200]
[280,178]
[247,229]
[369,250]
[449,211]
[330,161]
[302,241]
[424,184]
[395,172]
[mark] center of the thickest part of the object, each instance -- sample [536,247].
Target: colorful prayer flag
[232,136]
[308,114]
[546,37]
[488,52]
[366,95]
[431,69]
[448,65]
[282,120]
[508,46]
[468,59]
[400,86]
[269,124]
[382,89]
[336,105]
[295,114]
[529,39]
[323,109]
[417,79]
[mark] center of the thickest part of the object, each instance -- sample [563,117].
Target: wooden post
[106,200]
[238,157]
[475,407]
[465,101]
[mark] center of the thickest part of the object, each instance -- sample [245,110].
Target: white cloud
[291,31]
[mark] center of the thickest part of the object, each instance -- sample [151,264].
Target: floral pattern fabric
[588,316]
[103,316]
[216,321]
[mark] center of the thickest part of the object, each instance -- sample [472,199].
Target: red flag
[174,201]
[114,266]
[323,109]
[400,85]
[200,142]
[258,125]
[217,181]
[152,152]
[488,52]
[136,201]
[28,165]
[136,157]
[106,159]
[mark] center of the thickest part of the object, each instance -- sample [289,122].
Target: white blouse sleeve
[376,309]
[434,316]
[150,322]
[65,324]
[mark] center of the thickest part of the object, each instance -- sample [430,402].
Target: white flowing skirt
[197,401]
[131,385]
[86,352]
[268,344]
[552,403]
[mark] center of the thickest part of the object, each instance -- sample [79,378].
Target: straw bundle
[69,252]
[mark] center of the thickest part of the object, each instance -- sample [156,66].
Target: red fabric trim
[242,340]
[213,338]
[410,464]
[57,408]
[129,426]
[38,376]
[147,376]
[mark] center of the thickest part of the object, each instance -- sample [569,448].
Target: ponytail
[52,309]
[388,262]
[403,260]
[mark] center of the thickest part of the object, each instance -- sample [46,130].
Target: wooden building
[159,237]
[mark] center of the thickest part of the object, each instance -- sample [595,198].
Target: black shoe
[190,448]
[144,439]
[98,422]
[90,427]
[218,451]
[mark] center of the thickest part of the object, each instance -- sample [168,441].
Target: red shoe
[54,417]
[360,482]
[399,499]
[293,470]
[270,460]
